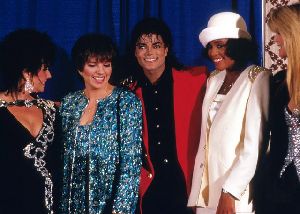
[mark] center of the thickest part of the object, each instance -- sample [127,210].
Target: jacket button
[150,175]
[201,165]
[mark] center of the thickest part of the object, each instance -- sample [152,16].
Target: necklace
[228,82]
[225,88]
[27,103]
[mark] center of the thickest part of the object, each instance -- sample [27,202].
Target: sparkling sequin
[37,149]
[92,153]
[293,154]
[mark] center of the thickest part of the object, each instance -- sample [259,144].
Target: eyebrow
[140,43]
[144,43]
[158,42]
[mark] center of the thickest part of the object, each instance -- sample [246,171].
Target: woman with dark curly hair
[29,157]
[234,115]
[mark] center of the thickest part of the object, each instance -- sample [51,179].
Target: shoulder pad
[214,73]
[254,71]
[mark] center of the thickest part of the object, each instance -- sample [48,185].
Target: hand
[226,204]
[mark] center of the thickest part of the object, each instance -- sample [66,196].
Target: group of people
[164,139]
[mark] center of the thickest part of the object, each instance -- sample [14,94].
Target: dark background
[66,20]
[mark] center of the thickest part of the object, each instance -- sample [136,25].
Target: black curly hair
[23,49]
[156,26]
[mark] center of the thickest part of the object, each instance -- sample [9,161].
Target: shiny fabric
[30,164]
[293,154]
[278,194]
[93,154]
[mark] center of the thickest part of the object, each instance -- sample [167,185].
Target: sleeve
[55,154]
[130,156]
[254,129]
[64,189]
[62,113]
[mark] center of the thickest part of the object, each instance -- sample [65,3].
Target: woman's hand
[226,204]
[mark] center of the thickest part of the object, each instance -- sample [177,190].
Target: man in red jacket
[172,98]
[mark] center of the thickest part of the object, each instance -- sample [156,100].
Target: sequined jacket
[229,146]
[94,157]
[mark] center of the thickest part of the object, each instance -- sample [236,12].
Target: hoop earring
[28,86]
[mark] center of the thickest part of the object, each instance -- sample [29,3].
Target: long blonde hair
[286,22]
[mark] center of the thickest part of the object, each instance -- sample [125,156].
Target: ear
[26,74]
[80,72]
[166,51]
[135,54]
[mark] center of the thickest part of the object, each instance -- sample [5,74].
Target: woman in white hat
[234,115]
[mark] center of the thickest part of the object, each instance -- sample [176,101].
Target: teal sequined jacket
[92,154]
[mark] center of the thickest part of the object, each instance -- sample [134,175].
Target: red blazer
[188,89]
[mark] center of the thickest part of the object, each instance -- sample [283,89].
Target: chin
[219,68]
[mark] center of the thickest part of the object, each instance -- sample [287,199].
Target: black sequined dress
[30,166]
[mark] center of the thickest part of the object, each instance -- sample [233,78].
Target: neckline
[100,99]
[22,125]
[26,103]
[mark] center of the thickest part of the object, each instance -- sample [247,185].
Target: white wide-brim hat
[225,25]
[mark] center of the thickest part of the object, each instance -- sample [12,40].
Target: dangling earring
[28,86]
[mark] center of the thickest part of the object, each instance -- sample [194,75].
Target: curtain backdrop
[66,20]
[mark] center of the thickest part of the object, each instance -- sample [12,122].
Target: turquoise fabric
[92,153]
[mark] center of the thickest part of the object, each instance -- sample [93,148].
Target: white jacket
[234,138]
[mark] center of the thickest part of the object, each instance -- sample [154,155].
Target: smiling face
[217,54]
[96,74]
[280,43]
[150,52]
[39,80]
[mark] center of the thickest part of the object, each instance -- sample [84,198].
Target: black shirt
[167,192]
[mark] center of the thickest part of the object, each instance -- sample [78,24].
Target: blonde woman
[284,182]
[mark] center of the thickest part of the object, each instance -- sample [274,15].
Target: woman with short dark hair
[102,127]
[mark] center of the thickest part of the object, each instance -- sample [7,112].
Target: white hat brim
[212,33]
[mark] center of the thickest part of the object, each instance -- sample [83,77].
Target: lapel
[238,89]
[213,87]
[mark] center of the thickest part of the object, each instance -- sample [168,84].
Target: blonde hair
[286,22]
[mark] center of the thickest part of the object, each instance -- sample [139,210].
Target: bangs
[100,57]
